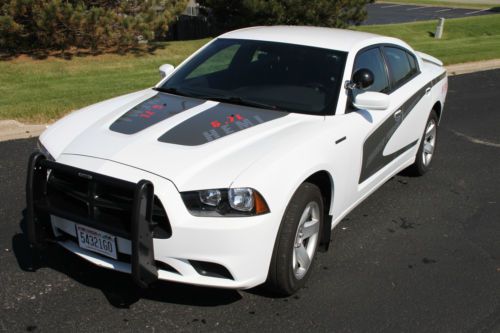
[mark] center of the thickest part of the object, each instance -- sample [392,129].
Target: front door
[389,137]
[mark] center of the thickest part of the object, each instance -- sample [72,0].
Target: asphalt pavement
[419,255]
[385,13]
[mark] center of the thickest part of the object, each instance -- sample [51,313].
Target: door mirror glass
[166,70]
[371,100]
[363,78]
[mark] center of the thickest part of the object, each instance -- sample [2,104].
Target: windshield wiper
[180,92]
[243,101]
[174,91]
[230,99]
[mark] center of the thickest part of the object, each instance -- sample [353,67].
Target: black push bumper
[139,210]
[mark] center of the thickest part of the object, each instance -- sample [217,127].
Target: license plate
[96,241]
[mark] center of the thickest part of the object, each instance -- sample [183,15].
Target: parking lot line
[443,10]
[417,8]
[475,12]
[391,6]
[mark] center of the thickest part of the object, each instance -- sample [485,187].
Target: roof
[337,39]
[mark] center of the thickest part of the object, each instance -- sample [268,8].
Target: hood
[194,143]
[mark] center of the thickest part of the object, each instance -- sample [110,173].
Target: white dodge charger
[232,171]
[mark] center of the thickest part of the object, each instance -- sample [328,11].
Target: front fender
[60,134]
[278,174]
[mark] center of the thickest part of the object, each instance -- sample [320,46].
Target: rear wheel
[297,241]
[427,147]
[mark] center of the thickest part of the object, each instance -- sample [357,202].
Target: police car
[232,171]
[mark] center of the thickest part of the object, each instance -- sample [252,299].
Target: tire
[302,223]
[427,148]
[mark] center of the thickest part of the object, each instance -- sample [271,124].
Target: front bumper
[40,210]
[239,247]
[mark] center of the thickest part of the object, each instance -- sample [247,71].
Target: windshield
[268,75]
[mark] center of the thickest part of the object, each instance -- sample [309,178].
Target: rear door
[409,92]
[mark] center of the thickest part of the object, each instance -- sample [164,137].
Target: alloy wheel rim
[429,142]
[306,239]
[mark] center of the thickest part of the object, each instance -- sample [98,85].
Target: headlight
[225,202]
[41,148]
[210,197]
[241,199]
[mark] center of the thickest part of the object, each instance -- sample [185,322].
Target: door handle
[398,114]
[428,90]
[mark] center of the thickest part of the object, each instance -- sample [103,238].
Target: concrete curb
[471,67]
[13,129]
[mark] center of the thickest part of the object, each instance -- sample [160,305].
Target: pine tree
[93,24]
[232,14]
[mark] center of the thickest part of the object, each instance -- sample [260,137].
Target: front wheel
[427,147]
[297,241]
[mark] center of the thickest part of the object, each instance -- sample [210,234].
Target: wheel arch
[324,181]
[438,108]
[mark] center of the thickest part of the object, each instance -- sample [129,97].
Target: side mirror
[166,70]
[363,78]
[371,100]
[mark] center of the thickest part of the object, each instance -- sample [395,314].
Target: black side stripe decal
[437,79]
[373,157]
[152,111]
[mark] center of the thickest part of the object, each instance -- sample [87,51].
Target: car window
[281,76]
[216,63]
[259,55]
[413,63]
[372,59]
[400,66]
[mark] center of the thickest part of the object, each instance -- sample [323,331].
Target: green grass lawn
[39,91]
[464,39]
[44,90]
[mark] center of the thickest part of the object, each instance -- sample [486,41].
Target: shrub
[232,14]
[27,25]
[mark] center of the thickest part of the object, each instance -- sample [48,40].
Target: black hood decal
[217,122]
[152,111]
